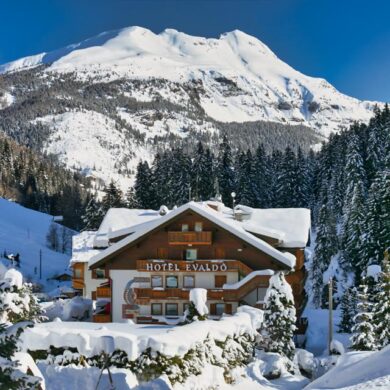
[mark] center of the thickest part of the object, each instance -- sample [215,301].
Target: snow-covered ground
[357,371]
[24,231]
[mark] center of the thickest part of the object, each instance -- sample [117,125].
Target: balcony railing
[194,238]
[144,295]
[103,292]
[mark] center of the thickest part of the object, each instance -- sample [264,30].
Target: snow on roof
[92,338]
[291,225]
[221,219]
[83,247]
[121,221]
[240,283]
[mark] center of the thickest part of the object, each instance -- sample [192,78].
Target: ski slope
[24,231]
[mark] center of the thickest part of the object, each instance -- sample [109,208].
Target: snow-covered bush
[197,309]
[279,317]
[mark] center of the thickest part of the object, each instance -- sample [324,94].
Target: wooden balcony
[102,318]
[103,292]
[78,284]
[193,238]
[145,295]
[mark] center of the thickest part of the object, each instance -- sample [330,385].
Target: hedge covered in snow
[149,351]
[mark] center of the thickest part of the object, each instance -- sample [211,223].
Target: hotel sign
[186,266]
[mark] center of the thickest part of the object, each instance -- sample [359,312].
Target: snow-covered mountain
[162,86]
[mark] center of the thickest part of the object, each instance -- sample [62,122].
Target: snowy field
[24,231]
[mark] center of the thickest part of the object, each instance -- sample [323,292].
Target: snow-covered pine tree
[348,307]
[18,309]
[376,235]
[381,317]
[131,199]
[113,197]
[352,231]
[326,246]
[143,186]
[279,317]
[363,331]
[11,377]
[93,215]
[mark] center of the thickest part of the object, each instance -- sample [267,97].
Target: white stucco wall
[90,284]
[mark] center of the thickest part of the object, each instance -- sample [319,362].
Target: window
[220,280]
[191,254]
[185,306]
[198,226]
[156,309]
[219,309]
[185,227]
[100,273]
[188,281]
[171,309]
[171,282]
[157,281]
[78,274]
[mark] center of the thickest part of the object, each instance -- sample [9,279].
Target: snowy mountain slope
[259,86]
[106,102]
[24,231]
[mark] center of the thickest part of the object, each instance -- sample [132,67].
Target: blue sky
[345,41]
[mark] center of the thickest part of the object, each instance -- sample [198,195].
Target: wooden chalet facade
[147,274]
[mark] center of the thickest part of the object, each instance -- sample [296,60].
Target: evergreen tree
[202,174]
[352,231]
[225,172]
[93,215]
[287,181]
[261,178]
[131,199]
[113,197]
[376,235]
[143,186]
[363,337]
[326,246]
[381,317]
[245,179]
[279,317]
[348,308]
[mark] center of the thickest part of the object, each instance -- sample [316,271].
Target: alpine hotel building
[141,264]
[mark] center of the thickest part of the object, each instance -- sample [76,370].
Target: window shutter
[94,274]
[213,309]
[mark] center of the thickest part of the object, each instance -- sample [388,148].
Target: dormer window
[198,226]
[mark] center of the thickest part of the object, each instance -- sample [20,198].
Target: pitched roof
[220,219]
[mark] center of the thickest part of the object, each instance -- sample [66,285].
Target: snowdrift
[357,370]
